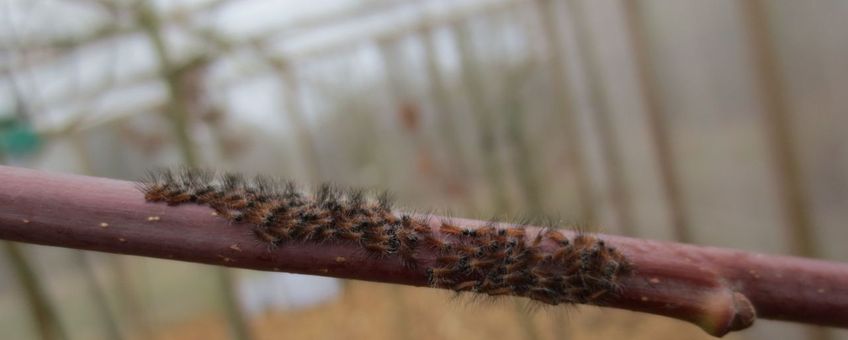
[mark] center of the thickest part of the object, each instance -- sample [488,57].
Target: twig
[720,290]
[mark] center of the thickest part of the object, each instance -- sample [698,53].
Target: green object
[18,138]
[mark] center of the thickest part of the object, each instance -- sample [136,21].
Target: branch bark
[720,290]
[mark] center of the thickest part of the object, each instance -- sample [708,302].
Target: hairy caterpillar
[547,266]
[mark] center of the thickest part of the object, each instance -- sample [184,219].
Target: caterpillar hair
[492,260]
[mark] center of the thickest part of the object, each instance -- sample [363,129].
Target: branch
[720,290]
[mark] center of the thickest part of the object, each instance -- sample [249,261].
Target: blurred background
[711,122]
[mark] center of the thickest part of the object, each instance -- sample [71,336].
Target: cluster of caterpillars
[543,265]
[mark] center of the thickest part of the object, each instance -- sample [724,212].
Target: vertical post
[446,124]
[646,77]
[778,124]
[45,316]
[485,126]
[606,130]
[565,105]
[511,108]
[294,112]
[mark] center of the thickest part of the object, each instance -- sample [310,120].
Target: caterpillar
[547,266]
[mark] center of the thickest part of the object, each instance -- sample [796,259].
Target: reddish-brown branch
[720,290]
